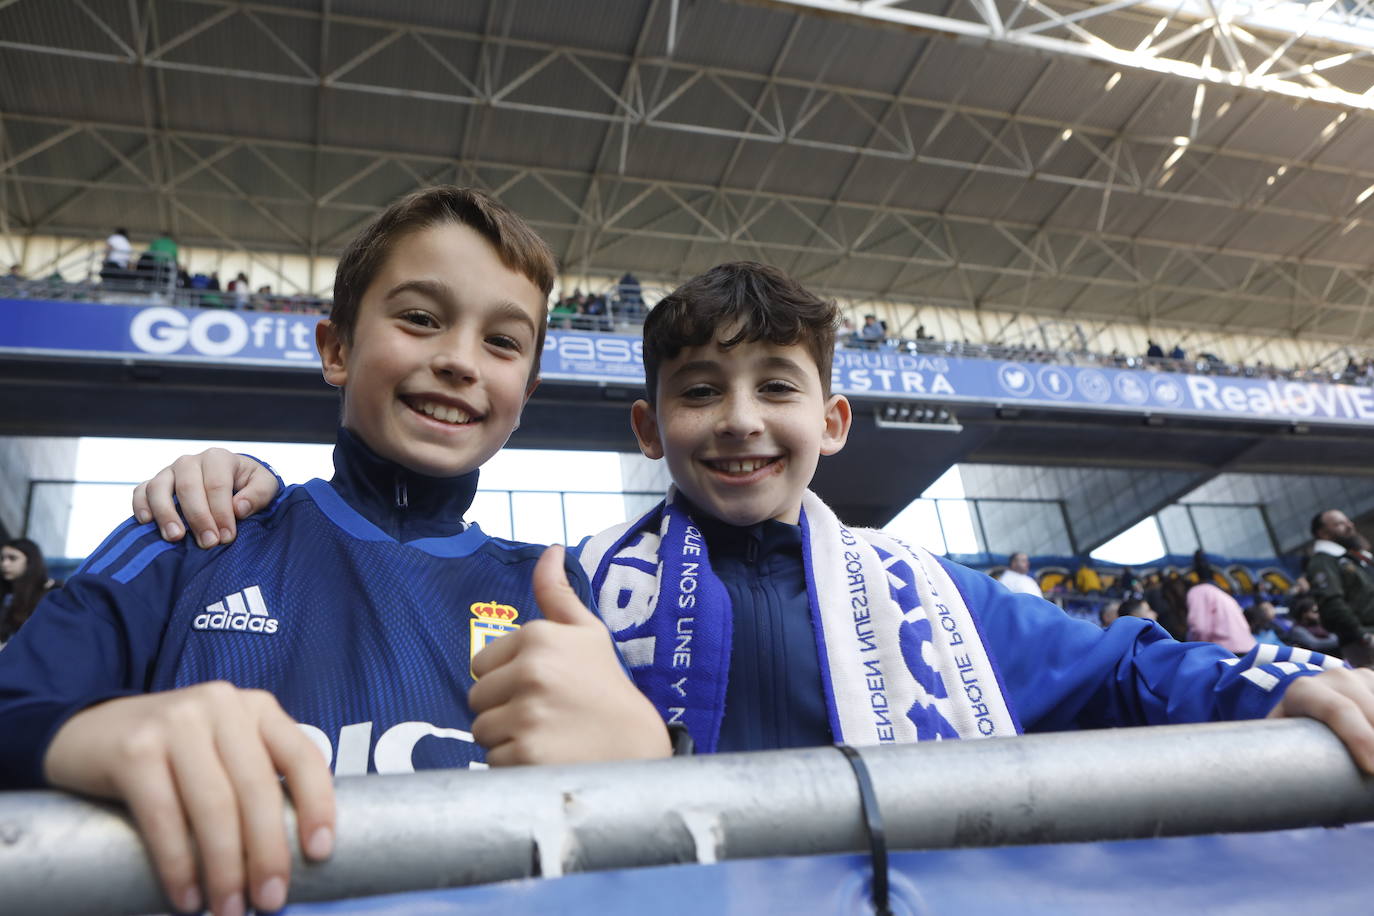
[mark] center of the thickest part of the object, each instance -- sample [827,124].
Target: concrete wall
[26,458]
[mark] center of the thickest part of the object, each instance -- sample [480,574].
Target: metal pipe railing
[60,854]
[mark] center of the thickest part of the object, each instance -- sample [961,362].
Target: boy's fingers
[260,808]
[555,596]
[495,688]
[496,654]
[1344,702]
[140,504]
[159,495]
[212,809]
[254,487]
[151,795]
[195,507]
[503,742]
[218,468]
[307,780]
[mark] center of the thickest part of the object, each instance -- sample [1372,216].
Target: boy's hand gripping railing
[59,854]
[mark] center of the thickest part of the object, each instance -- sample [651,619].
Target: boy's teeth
[742,467]
[443,412]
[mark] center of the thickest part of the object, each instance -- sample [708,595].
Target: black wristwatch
[681,738]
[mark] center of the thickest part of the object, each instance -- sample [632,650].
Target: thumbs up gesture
[554,691]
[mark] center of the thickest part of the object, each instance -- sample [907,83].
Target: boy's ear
[838,417]
[333,353]
[645,423]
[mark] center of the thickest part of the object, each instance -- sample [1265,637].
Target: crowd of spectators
[1195,603]
[601,311]
[157,274]
[158,270]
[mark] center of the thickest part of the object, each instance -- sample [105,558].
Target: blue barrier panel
[1313,870]
[227,337]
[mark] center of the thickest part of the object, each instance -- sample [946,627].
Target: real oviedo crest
[490,621]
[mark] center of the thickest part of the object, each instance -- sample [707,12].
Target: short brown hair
[766,303]
[517,245]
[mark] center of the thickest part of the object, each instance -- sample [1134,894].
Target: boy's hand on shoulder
[214,489]
[200,766]
[1341,698]
[554,692]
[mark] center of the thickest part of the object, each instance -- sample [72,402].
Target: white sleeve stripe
[1262,679]
[1266,653]
[1230,661]
[1288,667]
[1301,655]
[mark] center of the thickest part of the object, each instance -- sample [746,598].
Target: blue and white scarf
[901,656]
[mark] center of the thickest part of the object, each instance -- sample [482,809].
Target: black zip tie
[873,826]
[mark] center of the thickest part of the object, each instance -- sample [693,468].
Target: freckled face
[742,428]
[439,366]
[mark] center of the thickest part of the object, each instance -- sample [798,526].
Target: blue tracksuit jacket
[1057,672]
[358,603]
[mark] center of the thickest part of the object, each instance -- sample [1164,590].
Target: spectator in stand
[630,298]
[1214,616]
[1177,352]
[23,583]
[15,272]
[1154,351]
[1017,576]
[1136,607]
[1202,568]
[118,254]
[1128,585]
[1086,580]
[1341,571]
[1260,617]
[562,313]
[595,307]
[1155,596]
[241,290]
[162,252]
[871,334]
[1307,631]
[1110,611]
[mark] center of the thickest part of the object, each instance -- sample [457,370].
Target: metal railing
[60,854]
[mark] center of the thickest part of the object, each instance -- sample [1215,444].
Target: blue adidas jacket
[358,603]
[1057,673]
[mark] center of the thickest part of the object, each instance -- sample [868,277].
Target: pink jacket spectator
[1214,616]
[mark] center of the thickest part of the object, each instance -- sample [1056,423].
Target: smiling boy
[345,624]
[748,612]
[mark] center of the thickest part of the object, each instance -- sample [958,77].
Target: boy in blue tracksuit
[749,613]
[347,623]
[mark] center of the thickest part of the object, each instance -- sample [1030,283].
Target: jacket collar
[1321,545]
[401,502]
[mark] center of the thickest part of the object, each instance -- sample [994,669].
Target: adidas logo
[242,611]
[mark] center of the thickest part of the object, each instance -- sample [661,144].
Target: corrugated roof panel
[212,104]
[736,36]
[879,60]
[678,156]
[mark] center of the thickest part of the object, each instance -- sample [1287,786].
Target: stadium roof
[1189,162]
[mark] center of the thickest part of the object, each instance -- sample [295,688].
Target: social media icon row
[1091,384]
